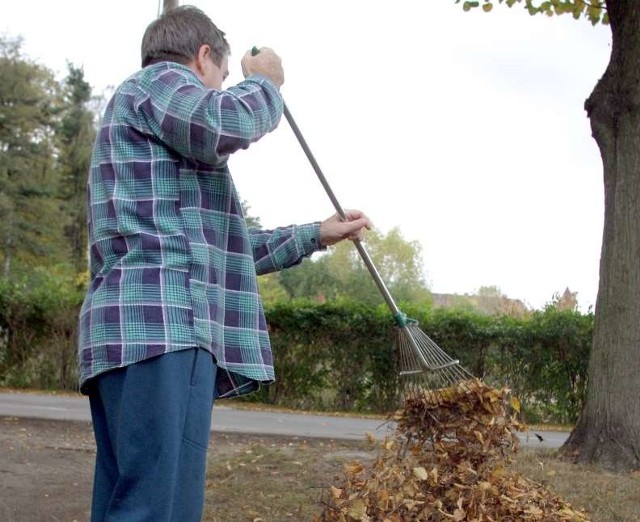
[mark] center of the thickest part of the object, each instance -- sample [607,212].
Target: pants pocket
[197,427]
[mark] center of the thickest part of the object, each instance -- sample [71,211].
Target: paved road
[227,419]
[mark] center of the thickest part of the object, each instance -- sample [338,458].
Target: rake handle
[400,318]
[359,246]
[397,314]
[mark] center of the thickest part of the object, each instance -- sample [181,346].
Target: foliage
[336,355]
[252,221]
[75,134]
[46,137]
[28,111]
[271,291]
[327,356]
[552,346]
[340,356]
[467,334]
[593,10]
[340,273]
[311,279]
[38,317]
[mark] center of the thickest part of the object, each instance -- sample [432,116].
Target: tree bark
[608,430]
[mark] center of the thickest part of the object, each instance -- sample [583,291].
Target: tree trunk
[608,430]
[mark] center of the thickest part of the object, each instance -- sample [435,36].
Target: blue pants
[152,423]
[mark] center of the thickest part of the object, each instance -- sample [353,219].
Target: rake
[421,361]
[422,364]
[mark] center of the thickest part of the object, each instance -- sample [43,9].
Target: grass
[264,479]
[273,479]
[607,497]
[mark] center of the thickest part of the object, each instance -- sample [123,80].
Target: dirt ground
[46,468]
[46,473]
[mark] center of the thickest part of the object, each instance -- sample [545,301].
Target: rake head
[424,366]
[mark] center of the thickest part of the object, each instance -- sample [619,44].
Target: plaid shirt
[173,265]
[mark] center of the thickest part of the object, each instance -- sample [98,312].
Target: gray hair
[178,35]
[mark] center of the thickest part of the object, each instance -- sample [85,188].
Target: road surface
[230,420]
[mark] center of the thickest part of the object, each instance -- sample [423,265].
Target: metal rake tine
[442,370]
[420,356]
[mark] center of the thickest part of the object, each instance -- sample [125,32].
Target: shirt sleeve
[203,124]
[283,247]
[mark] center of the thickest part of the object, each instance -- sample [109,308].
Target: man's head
[188,36]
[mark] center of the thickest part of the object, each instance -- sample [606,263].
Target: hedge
[336,356]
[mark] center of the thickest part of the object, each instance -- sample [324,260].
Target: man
[172,317]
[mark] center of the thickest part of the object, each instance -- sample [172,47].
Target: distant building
[485,304]
[568,300]
[496,304]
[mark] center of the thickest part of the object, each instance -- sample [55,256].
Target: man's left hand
[335,229]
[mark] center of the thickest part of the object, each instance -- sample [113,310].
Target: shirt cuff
[308,238]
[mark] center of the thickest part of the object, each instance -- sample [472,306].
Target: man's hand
[334,229]
[266,62]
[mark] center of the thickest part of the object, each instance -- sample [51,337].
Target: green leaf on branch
[467,6]
[594,10]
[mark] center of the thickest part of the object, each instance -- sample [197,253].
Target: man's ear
[202,57]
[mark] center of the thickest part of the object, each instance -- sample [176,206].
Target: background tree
[252,221]
[340,273]
[76,134]
[271,290]
[608,429]
[311,279]
[28,204]
[398,261]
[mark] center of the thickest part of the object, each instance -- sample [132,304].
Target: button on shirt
[172,262]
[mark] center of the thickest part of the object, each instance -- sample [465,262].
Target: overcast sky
[467,131]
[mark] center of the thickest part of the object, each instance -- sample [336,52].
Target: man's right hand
[266,62]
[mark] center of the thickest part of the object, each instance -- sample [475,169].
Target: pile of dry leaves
[446,461]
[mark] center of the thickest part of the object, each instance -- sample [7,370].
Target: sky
[466,131]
